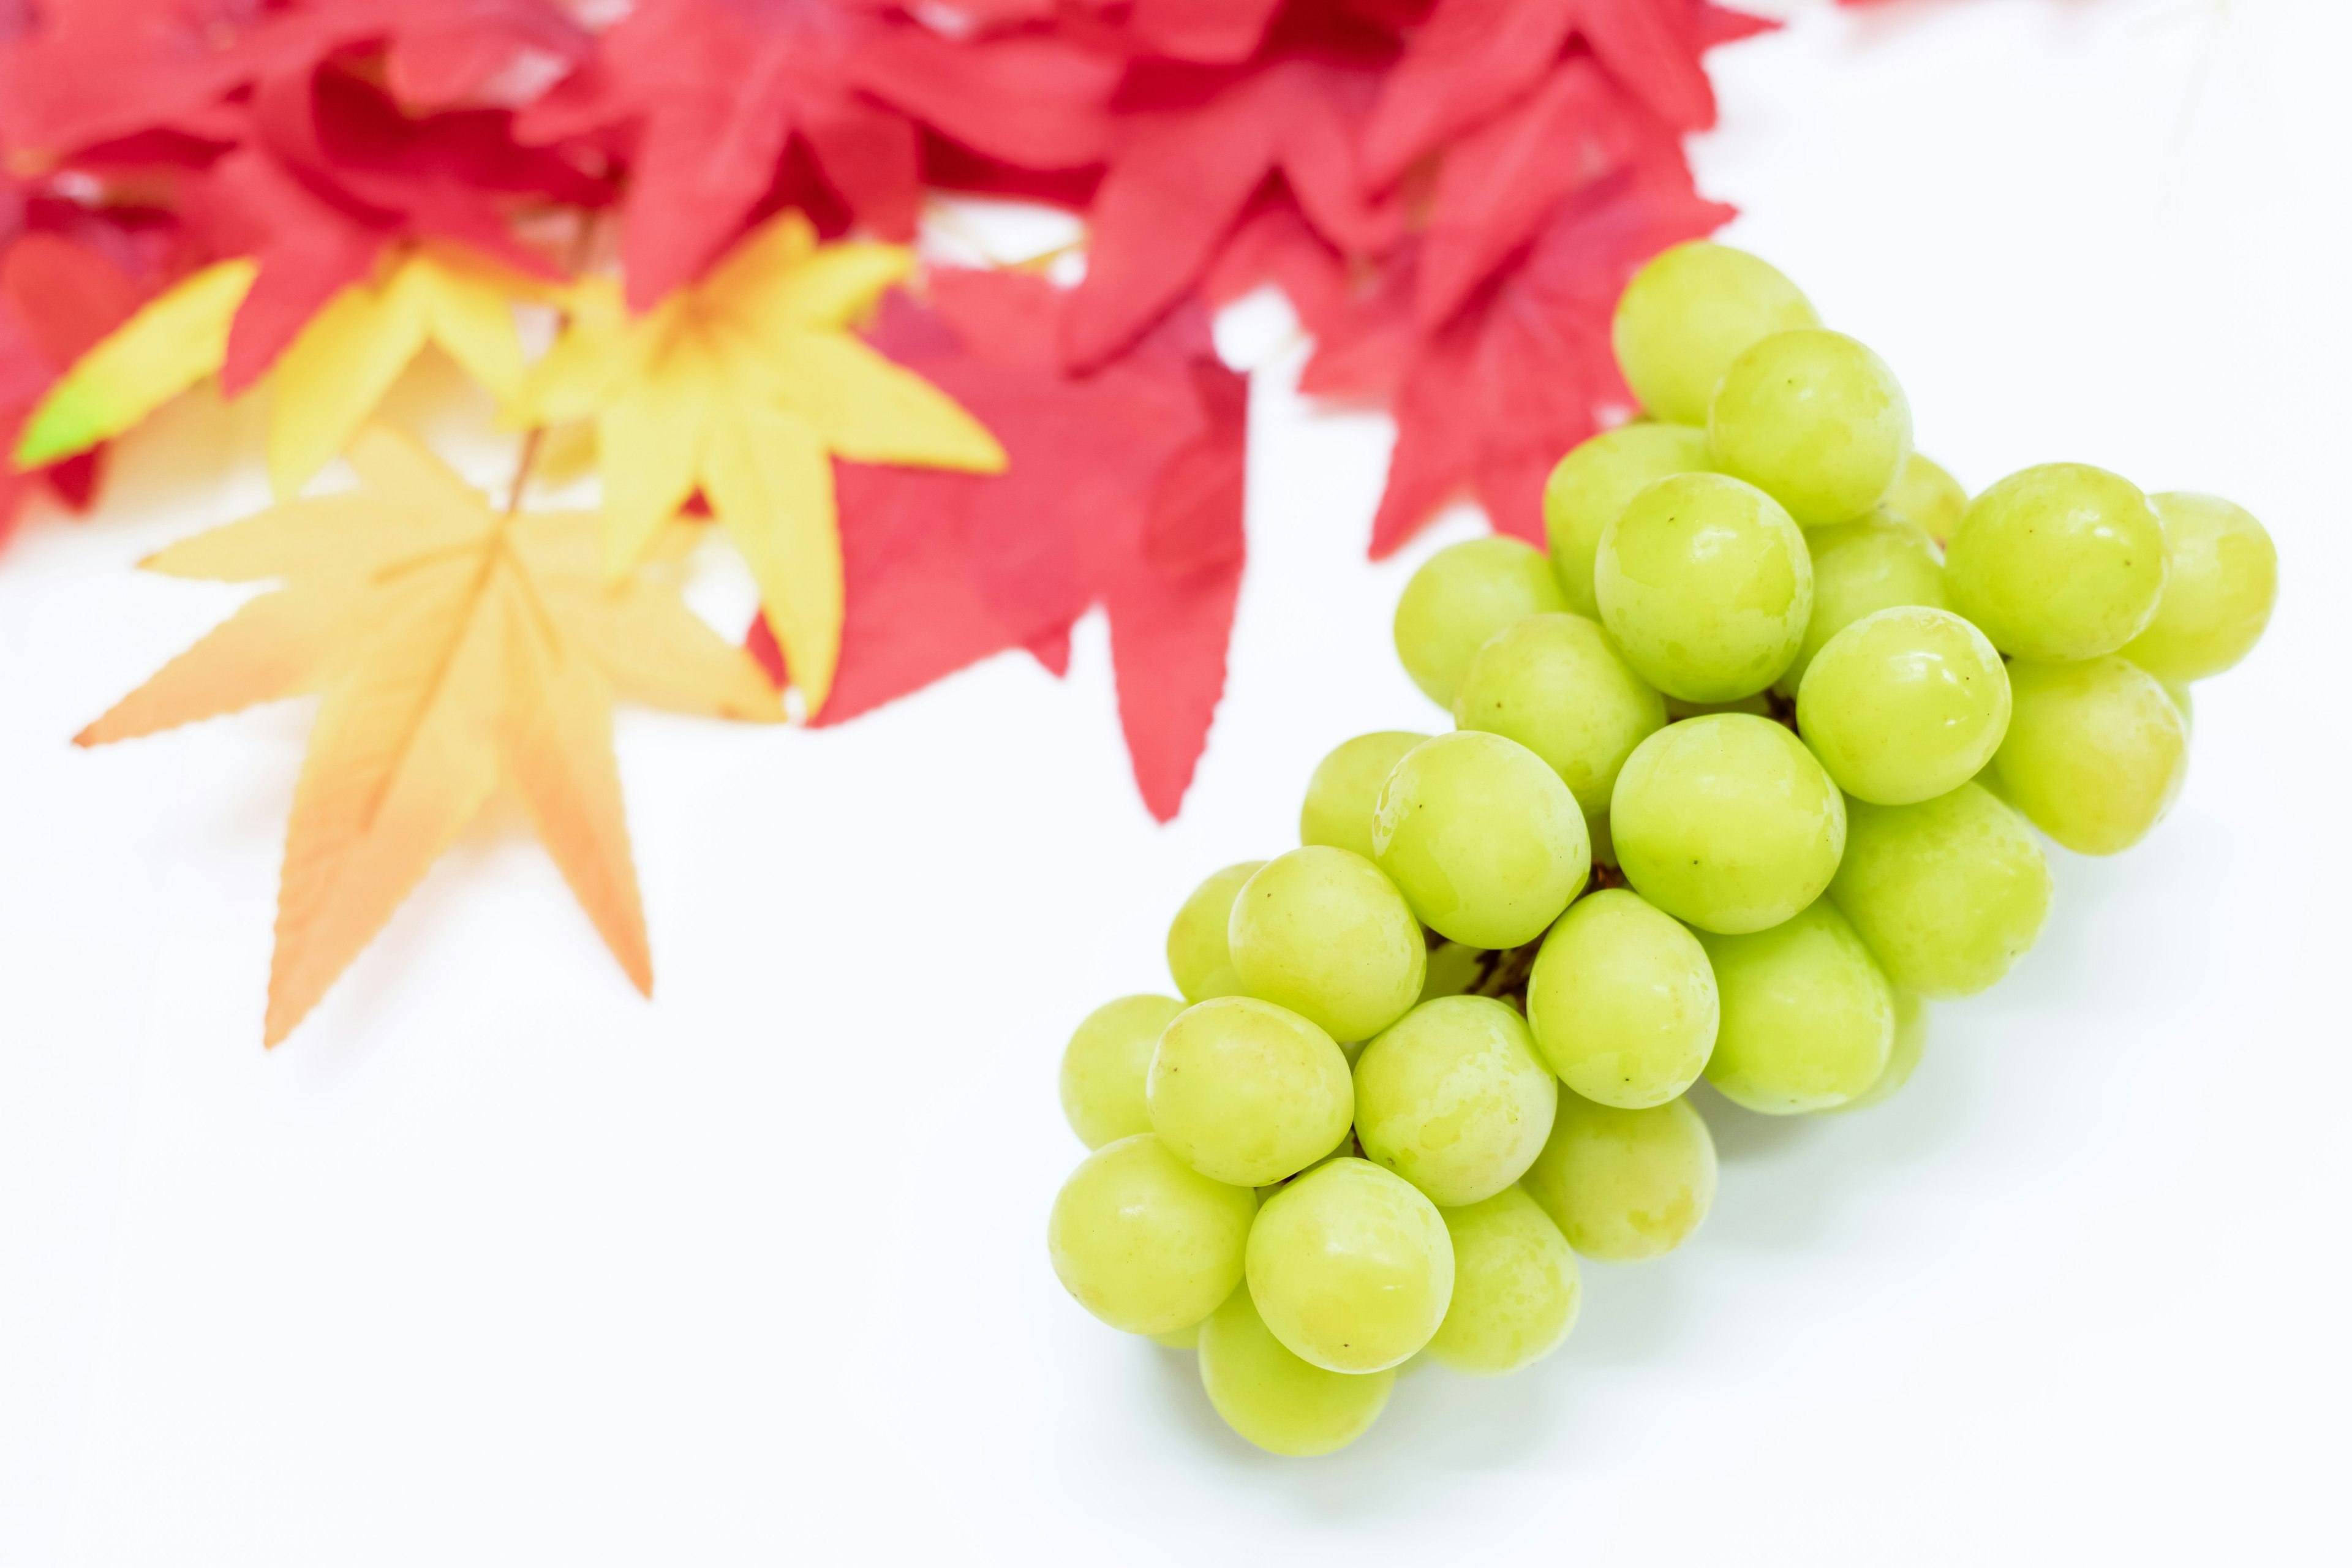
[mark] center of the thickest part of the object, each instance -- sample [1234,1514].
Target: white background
[495,1263]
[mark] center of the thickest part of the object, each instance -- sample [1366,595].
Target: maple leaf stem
[525,460]
[583,247]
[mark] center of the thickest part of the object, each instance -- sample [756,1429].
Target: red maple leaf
[1215,31]
[332,171]
[1476,57]
[1524,371]
[1498,184]
[1193,148]
[715,96]
[1124,489]
[99,71]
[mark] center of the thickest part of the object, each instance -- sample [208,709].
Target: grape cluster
[1742,771]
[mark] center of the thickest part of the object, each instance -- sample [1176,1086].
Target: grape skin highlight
[1198,958]
[1691,312]
[1274,1400]
[1707,586]
[1623,1186]
[2095,754]
[1486,842]
[1350,1266]
[1145,1241]
[1461,596]
[1322,933]
[1454,1098]
[1553,684]
[1622,1002]
[1347,785]
[1105,1064]
[1247,1092]
[1727,822]
[1948,894]
[1516,1287]
[1815,420]
[2218,594]
[1593,483]
[2058,562]
[1905,705]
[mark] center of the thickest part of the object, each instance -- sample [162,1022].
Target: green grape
[1347,785]
[1322,933]
[1905,705]
[1276,1401]
[1461,596]
[1350,1266]
[1706,585]
[1623,1186]
[2059,563]
[1604,848]
[2096,751]
[1483,838]
[1947,894]
[1814,419]
[1553,684]
[1925,497]
[1592,485]
[1808,1015]
[1452,1098]
[1184,1339]
[2178,691]
[1104,1066]
[1902,1057]
[1726,823]
[1874,563]
[1247,1092]
[1197,954]
[2218,594]
[1622,1002]
[1689,314]
[1145,1241]
[1453,967]
[1516,1289]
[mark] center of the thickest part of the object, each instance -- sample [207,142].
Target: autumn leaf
[713,98]
[347,358]
[168,345]
[1474,58]
[58,297]
[1193,147]
[328,382]
[453,647]
[1125,491]
[330,174]
[98,71]
[1498,185]
[742,386]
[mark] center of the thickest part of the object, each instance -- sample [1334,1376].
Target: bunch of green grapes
[1744,768]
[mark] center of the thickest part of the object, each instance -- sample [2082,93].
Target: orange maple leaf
[453,647]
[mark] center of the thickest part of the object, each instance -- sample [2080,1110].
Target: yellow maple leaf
[743,386]
[329,379]
[454,646]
